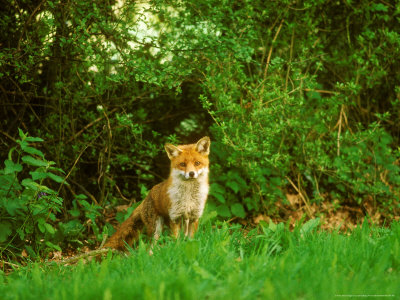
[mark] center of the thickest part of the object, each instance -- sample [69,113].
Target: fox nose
[191,174]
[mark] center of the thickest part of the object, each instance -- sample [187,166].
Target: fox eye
[197,163]
[182,164]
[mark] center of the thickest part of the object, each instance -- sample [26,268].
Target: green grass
[222,263]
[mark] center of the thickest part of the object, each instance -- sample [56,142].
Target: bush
[28,207]
[304,98]
[300,95]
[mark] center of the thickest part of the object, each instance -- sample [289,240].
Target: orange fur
[179,199]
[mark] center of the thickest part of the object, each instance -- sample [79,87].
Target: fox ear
[203,145]
[172,151]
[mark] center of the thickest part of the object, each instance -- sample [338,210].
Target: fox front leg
[175,227]
[157,232]
[192,227]
[187,225]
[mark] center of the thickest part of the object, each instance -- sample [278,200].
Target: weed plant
[222,262]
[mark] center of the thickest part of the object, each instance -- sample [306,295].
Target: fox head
[189,161]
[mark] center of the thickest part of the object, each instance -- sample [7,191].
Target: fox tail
[127,233]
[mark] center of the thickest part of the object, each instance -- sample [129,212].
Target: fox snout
[191,174]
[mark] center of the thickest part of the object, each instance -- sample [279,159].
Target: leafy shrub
[314,113]
[28,207]
[300,95]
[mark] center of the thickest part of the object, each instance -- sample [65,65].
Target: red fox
[181,197]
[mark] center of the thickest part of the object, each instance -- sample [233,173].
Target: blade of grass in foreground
[222,263]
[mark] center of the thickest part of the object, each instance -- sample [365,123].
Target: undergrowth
[298,96]
[28,206]
[224,262]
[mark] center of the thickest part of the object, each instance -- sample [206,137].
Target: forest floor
[332,214]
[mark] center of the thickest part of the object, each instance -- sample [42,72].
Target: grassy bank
[223,263]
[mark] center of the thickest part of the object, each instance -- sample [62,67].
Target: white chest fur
[188,197]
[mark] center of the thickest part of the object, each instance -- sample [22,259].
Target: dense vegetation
[298,97]
[220,263]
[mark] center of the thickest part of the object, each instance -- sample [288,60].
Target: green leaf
[80,197]
[22,135]
[208,216]
[33,139]
[12,167]
[217,188]
[379,7]
[29,183]
[238,210]
[52,217]
[29,160]
[219,197]
[39,210]
[74,212]
[233,185]
[5,231]
[57,169]
[21,233]
[41,226]
[9,182]
[11,205]
[38,175]
[23,144]
[51,245]
[56,178]
[310,226]
[33,151]
[50,229]
[30,251]
[223,211]
[272,226]
[47,190]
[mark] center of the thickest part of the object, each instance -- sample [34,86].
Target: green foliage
[270,262]
[84,212]
[296,95]
[304,98]
[28,206]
